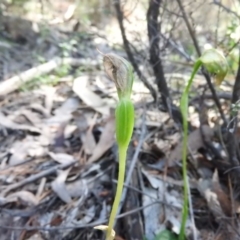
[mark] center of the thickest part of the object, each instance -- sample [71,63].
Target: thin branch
[228,10]
[233,46]
[236,87]
[189,27]
[232,141]
[13,83]
[129,51]
[177,48]
[204,72]
[38,176]
[153,35]
[93,224]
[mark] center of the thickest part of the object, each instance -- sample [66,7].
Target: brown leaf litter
[59,163]
[57,155]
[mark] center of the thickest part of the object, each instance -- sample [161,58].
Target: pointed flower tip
[120,71]
[216,64]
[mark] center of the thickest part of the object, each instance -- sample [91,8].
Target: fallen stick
[37,176]
[15,82]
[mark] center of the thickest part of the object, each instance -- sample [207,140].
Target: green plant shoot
[216,64]
[121,73]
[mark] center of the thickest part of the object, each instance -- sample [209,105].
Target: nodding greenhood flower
[215,63]
[120,71]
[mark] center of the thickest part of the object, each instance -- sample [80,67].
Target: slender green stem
[184,110]
[121,176]
[215,63]
[185,182]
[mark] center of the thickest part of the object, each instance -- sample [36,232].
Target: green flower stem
[216,64]
[184,111]
[120,71]
[124,115]
[121,176]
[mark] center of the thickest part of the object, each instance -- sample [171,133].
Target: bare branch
[177,48]
[228,10]
[129,51]
[232,144]
[206,75]
[155,60]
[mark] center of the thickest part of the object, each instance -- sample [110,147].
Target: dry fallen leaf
[81,120]
[218,201]
[89,142]
[19,152]
[194,143]
[32,117]
[62,158]
[22,150]
[77,188]
[25,197]
[106,141]
[49,92]
[39,108]
[36,236]
[64,112]
[89,215]
[7,123]
[88,97]
[59,187]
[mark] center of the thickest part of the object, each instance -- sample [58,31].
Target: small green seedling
[121,73]
[216,64]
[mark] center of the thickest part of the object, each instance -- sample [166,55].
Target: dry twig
[15,82]
[206,75]
[129,52]
[38,176]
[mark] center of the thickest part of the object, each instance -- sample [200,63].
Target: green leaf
[165,235]
[124,121]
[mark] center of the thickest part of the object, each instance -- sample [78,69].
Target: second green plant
[215,63]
